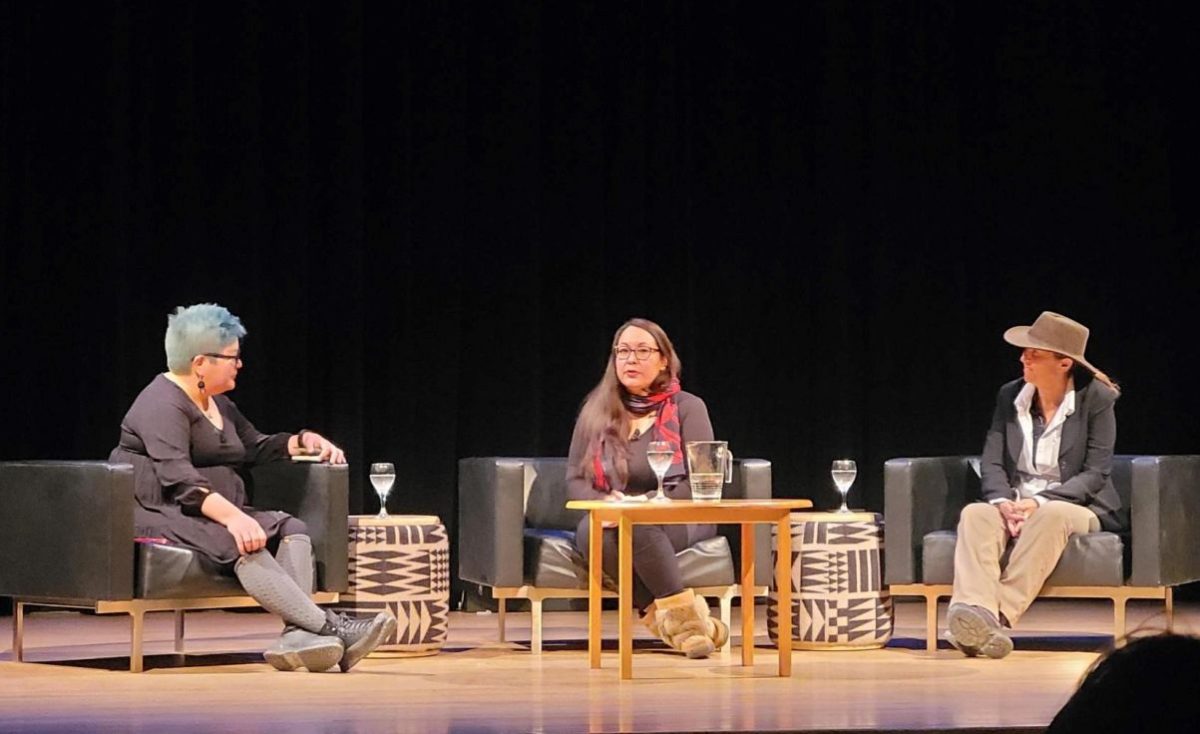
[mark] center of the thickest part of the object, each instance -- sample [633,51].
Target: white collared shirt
[1036,474]
[1037,467]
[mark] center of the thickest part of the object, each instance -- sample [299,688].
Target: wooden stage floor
[73,681]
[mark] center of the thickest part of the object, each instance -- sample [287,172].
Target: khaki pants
[982,538]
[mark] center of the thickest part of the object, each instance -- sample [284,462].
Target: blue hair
[198,329]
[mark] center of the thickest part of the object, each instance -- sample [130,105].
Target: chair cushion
[707,563]
[552,561]
[172,572]
[1090,559]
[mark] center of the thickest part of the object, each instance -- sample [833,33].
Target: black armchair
[924,496]
[516,536]
[66,540]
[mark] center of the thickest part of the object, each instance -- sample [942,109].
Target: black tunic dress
[179,456]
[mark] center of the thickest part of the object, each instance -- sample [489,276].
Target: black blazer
[1084,455]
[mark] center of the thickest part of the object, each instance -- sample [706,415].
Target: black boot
[298,648]
[360,636]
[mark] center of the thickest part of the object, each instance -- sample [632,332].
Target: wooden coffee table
[742,512]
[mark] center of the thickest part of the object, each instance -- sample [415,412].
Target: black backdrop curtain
[431,217]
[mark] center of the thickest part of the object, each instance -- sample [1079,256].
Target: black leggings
[655,568]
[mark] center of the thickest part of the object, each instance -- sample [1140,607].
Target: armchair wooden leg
[535,638]
[135,640]
[931,621]
[179,631]
[1169,604]
[18,630]
[1118,619]
[726,602]
[500,616]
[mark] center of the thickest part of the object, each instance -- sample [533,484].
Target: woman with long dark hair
[638,401]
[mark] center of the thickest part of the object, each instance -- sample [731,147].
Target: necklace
[212,413]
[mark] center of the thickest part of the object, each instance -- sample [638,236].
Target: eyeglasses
[235,357]
[642,353]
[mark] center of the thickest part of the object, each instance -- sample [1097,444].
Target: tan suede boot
[650,620]
[684,624]
[718,632]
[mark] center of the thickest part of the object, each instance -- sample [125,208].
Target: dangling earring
[200,384]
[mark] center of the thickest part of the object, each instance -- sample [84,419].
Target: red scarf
[666,428]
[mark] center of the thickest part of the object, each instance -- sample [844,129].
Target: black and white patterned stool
[839,600]
[401,563]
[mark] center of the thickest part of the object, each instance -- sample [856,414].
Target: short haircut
[199,329]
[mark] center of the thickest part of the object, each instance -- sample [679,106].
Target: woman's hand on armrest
[308,442]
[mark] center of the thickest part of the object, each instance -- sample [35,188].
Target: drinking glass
[844,471]
[383,476]
[660,454]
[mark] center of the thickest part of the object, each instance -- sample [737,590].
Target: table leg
[747,593]
[625,594]
[595,580]
[783,583]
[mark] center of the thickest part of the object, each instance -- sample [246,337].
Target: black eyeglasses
[236,357]
[642,353]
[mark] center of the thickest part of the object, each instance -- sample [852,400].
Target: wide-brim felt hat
[1053,332]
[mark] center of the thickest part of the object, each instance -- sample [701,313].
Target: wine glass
[383,475]
[844,471]
[660,454]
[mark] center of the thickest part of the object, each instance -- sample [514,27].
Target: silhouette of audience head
[1152,684]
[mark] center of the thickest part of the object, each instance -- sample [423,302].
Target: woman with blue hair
[186,441]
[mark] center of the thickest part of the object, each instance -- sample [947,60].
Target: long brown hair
[1100,377]
[603,413]
[1082,375]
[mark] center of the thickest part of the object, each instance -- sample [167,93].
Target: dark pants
[655,568]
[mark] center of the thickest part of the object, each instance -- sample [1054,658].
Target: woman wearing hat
[1045,472]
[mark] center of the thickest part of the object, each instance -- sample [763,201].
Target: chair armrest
[1165,514]
[318,494]
[751,480]
[66,530]
[491,521]
[921,495]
